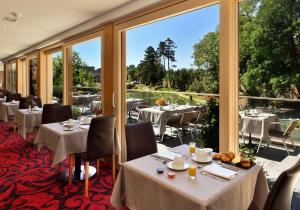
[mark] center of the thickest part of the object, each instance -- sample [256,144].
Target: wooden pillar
[68,76]
[107,69]
[49,72]
[42,75]
[229,74]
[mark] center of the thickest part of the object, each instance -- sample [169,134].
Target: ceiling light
[12,17]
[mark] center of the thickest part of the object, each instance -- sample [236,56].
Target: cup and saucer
[69,125]
[178,164]
[202,156]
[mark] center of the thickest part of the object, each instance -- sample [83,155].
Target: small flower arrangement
[160,102]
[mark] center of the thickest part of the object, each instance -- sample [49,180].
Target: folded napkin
[84,127]
[219,171]
[166,154]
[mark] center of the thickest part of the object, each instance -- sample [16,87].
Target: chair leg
[98,167]
[86,181]
[191,134]
[162,137]
[70,169]
[113,166]
[179,136]
[284,144]
[15,127]
[259,145]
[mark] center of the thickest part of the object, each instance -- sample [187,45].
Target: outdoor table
[131,102]
[258,124]
[140,187]
[8,109]
[159,117]
[27,120]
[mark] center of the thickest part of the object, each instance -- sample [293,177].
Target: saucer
[68,129]
[207,160]
[170,166]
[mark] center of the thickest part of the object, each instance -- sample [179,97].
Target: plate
[170,166]
[208,160]
[68,129]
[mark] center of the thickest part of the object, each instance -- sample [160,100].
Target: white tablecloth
[2,100]
[159,117]
[27,120]
[144,189]
[8,109]
[61,142]
[258,125]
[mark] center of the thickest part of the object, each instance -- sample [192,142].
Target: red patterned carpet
[28,180]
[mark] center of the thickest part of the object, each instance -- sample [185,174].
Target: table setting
[186,177]
[8,109]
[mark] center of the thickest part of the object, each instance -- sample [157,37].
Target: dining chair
[280,196]
[23,104]
[140,140]
[283,135]
[180,122]
[100,144]
[62,113]
[197,120]
[13,96]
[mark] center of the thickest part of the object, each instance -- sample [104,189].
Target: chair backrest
[280,196]
[140,140]
[186,118]
[13,96]
[290,128]
[100,141]
[47,115]
[62,113]
[23,104]
[38,102]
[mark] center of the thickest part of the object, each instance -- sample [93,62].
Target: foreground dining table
[8,109]
[27,120]
[140,187]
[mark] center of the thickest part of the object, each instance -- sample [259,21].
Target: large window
[86,68]
[178,64]
[11,76]
[269,67]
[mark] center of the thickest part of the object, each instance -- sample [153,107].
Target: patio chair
[180,122]
[197,120]
[280,196]
[140,140]
[284,135]
[100,144]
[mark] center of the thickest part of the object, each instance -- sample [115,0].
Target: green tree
[206,59]
[169,53]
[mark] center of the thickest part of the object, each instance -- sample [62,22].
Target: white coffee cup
[209,150]
[178,162]
[201,154]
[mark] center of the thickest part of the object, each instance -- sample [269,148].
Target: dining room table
[140,187]
[257,123]
[65,142]
[27,120]
[8,110]
[159,115]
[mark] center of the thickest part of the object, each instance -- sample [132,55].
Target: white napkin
[166,154]
[219,171]
[84,127]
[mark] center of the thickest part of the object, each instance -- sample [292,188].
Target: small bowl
[171,175]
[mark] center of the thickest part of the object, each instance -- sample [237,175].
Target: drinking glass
[192,171]
[192,148]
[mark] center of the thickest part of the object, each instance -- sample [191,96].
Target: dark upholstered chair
[100,143]
[47,114]
[23,104]
[3,93]
[62,113]
[280,196]
[13,96]
[38,102]
[56,113]
[140,140]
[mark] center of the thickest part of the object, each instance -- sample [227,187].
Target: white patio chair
[284,135]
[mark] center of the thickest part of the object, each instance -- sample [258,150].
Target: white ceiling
[42,20]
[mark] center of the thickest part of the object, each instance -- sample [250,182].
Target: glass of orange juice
[192,148]
[192,171]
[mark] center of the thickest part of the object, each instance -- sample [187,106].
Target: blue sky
[185,30]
